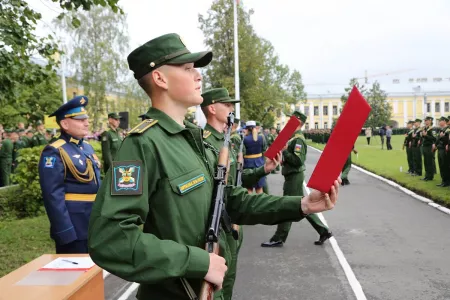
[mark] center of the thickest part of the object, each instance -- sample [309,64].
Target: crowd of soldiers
[319,136]
[422,143]
[14,139]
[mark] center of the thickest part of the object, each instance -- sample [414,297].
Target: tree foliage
[27,61]
[264,81]
[100,43]
[376,97]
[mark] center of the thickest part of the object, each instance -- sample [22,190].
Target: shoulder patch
[143,126]
[49,162]
[206,134]
[58,143]
[126,178]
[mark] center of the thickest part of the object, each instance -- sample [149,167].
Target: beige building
[321,110]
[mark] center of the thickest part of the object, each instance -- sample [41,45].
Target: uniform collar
[214,132]
[166,122]
[68,138]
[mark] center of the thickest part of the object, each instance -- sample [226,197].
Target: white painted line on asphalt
[129,291]
[354,283]
[398,186]
[105,274]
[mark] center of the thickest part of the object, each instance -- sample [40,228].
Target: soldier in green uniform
[25,141]
[30,134]
[162,179]
[111,140]
[416,148]
[347,167]
[39,136]
[408,145]
[6,158]
[216,107]
[235,137]
[294,157]
[442,142]
[18,145]
[428,145]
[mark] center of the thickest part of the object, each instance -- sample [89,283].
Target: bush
[7,194]
[28,201]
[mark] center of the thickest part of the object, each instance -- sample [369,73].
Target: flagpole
[236,61]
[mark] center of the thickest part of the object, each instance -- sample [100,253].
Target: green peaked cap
[219,95]
[168,49]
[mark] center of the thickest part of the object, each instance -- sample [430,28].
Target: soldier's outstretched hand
[317,201]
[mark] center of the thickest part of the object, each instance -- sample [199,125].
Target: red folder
[282,138]
[341,142]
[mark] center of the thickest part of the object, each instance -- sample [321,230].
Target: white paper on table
[69,263]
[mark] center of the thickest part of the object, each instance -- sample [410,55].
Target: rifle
[218,212]
[240,162]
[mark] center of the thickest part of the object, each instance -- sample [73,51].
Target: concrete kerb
[401,188]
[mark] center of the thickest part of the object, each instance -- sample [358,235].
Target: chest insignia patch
[49,162]
[191,184]
[298,147]
[127,178]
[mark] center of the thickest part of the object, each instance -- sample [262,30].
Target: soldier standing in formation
[408,145]
[39,138]
[69,174]
[416,150]
[6,157]
[235,137]
[428,147]
[442,146]
[293,170]
[162,178]
[111,140]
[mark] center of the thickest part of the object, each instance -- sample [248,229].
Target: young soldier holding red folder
[294,157]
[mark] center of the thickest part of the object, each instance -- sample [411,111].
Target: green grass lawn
[388,163]
[21,241]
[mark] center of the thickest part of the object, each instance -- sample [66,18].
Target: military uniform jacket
[417,138]
[442,141]
[295,155]
[111,141]
[19,144]
[38,139]
[270,139]
[162,178]
[408,138]
[235,141]
[6,150]
[429,139]
[214,140]
[69,177]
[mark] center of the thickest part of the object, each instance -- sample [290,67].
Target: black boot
[272,244]
[323,237]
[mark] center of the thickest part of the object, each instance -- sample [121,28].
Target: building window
[447,106]
[428,107]
[325,125]
[437,107]
[316,125]
[316,110]
[335,112]
[307,110]
[306,126]
[325,110]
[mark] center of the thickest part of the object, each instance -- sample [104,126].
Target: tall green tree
[100,45]
[20,49]
[353,82]
[381,110]
[264,81]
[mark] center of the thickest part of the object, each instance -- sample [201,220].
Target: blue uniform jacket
[65,168]
[253,149]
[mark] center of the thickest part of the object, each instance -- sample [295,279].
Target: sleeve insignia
[143,126]
[126,178]
[298,147]
[49,162]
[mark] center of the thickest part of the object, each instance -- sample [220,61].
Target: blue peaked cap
[75,109]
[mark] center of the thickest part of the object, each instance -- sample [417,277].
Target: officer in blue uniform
[253,158]
[69,174]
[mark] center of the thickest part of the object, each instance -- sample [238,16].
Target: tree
[100,43]
[20,50]
[381,110]
[264,81]
[135,101]
[353,82]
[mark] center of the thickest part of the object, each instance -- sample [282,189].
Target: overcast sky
[328,41]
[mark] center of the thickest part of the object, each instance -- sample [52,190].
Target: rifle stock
[218,207]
